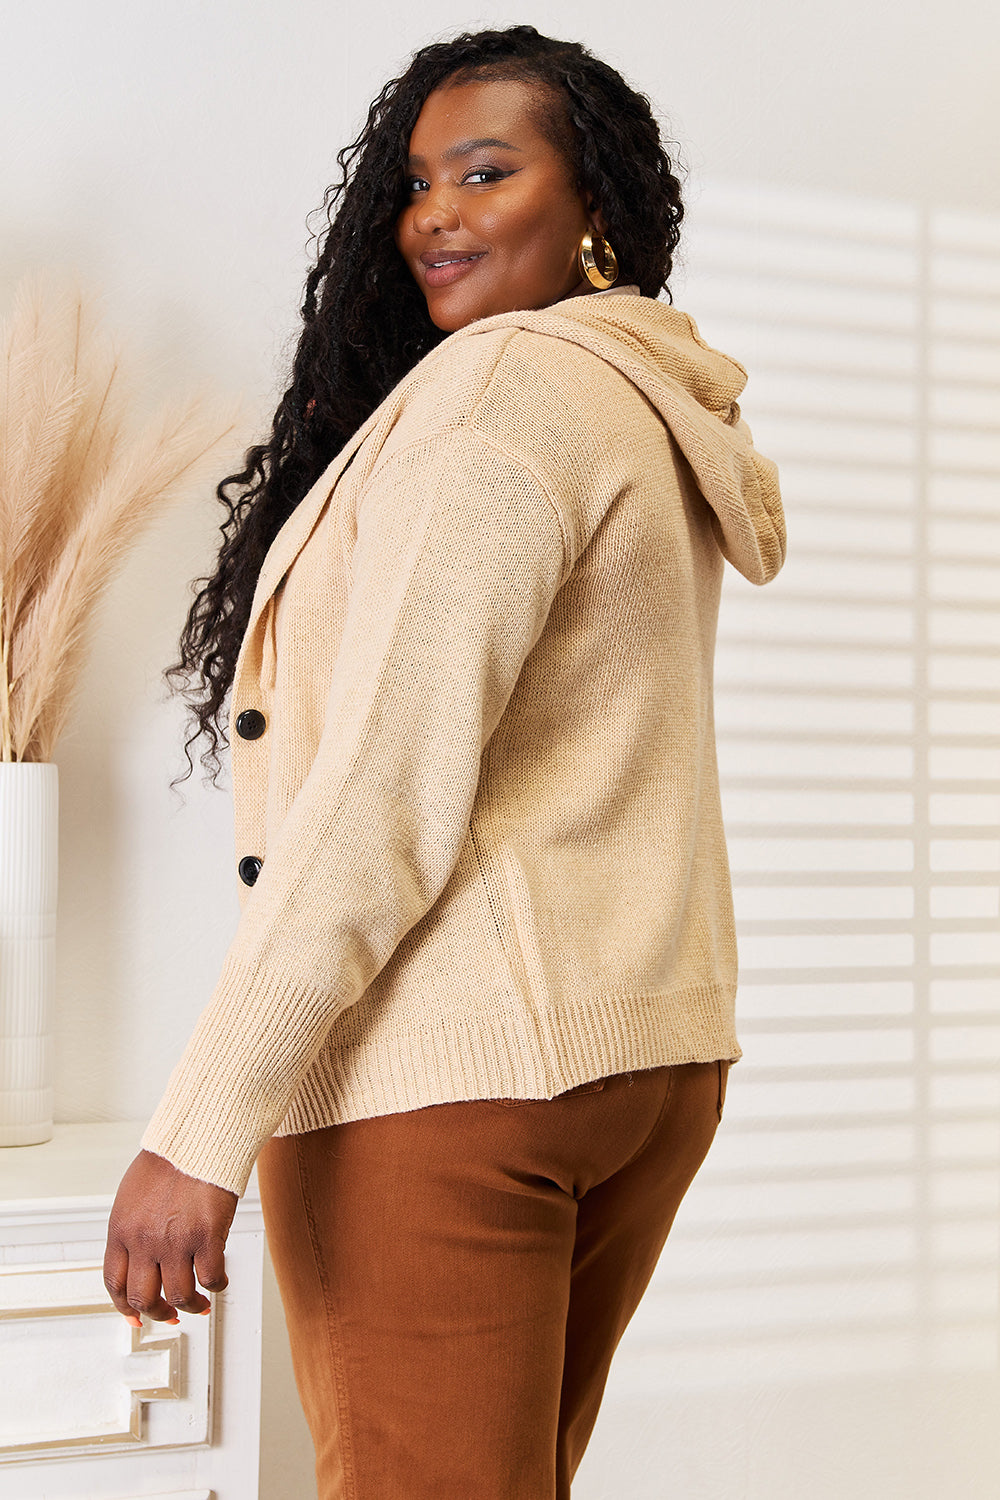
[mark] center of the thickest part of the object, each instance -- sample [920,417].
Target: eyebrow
[466,148]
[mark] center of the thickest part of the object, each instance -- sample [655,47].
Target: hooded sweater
[477,807]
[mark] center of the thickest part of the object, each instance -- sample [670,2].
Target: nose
[436,210]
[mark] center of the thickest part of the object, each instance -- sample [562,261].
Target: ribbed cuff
[238,1074]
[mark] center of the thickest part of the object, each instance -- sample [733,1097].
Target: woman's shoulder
[446,387]
[526,389]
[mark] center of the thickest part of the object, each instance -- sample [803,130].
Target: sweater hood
[694,388]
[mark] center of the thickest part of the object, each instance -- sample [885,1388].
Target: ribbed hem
[517,1057]
[223,1102]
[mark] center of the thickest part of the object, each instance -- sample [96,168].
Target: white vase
[29,853]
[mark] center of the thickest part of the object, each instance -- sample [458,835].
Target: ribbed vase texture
[29,852]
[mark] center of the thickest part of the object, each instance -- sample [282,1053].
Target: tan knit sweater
[485,799]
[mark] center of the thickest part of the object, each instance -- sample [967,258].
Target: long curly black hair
[365,319]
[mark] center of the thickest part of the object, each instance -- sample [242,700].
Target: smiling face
[493,220]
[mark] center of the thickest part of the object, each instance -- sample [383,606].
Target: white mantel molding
[106,1386]
[92,1407]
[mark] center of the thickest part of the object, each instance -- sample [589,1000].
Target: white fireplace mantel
[93,1409]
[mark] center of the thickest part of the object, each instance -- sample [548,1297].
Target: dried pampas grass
[77,486]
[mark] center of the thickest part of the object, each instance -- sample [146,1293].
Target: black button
[251,724]
[250,868]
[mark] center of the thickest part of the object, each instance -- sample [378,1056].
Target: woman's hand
[166,1228]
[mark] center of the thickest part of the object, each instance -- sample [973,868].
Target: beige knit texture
[486,800]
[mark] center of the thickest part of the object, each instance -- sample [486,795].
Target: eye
[416,185]
[485,174]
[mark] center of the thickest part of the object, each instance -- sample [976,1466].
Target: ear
[597,219]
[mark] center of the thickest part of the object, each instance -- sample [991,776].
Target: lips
[442,267]
[436,257]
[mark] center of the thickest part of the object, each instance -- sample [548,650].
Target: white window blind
[846,1221]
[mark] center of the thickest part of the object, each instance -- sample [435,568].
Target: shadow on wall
[845,1224]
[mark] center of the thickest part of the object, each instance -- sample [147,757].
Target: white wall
[824,1320]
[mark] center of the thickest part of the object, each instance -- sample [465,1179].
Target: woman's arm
[459,555]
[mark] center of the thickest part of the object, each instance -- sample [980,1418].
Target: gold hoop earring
[590,268]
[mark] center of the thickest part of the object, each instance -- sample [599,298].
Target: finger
[210,1264]
[144,1291]
[116,1279]
[179,1287]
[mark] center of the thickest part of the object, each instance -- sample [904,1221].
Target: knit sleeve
[458,557]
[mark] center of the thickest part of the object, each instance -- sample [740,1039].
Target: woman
[477,1017]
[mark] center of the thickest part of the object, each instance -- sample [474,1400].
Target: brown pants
[456,1279]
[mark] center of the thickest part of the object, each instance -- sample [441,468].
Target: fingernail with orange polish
[133,1321]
